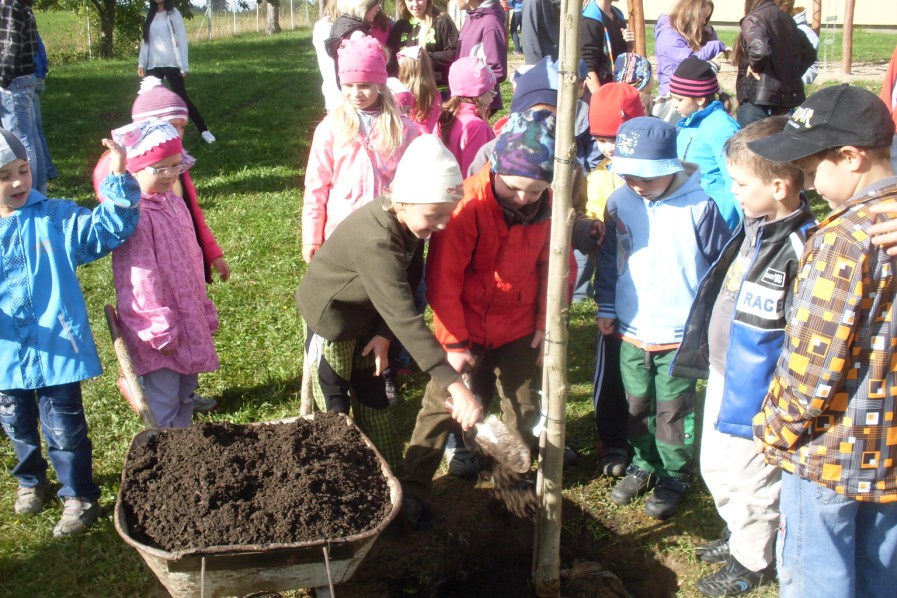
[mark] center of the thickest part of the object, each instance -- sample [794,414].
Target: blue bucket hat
[646,148]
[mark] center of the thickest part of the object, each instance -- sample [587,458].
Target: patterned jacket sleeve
[823,325]
[93,234]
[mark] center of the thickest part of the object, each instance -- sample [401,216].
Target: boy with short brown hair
[830,417]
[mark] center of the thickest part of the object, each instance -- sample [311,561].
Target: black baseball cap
[832,117]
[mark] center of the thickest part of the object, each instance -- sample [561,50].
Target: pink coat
[428,127]
[341,177]
[468,134]
[161,291]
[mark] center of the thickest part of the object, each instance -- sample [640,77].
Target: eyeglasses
[167,170]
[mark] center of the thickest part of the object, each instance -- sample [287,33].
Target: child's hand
[597,232]
[118,159]
[222,268]
[539,344]
[380,346]
[884,233]
[461,360]
[141,72]
[465,408]
[309,251]
[628,35]
[606,325]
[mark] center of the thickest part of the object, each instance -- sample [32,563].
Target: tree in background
[272,17]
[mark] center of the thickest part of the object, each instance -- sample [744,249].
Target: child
[45,337]
[739,318]
[355,295]
[663,233]
[356,148]
[830,417]
[484,34]
[416,72]
[486,283]
[614,104]
[154,100]
[603,35]
[704,128]
[167,318]
[462,124]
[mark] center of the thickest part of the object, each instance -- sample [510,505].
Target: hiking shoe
[418,516]
[636,483]
[714,552]
[392,387]
[201,403]
[664,501]
[208,137]
[78,514]
[733,579]
[32,500]
[461,462]
[613,462]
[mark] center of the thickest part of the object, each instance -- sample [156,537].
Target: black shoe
[733,579]
[392,386]
[714,552]
[636,483]
[418,516]
[664,502]
[570,457]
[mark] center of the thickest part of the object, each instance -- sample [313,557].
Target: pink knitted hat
[154,100]
[361,60]
[147,142]
[470,77]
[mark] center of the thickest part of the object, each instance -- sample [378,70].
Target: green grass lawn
[261,97]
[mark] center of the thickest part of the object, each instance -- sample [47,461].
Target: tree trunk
[106,10]
[272,18]
[549,485]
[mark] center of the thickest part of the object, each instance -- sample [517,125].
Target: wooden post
[816,17]
[549,485]
[847,48]
[637,24]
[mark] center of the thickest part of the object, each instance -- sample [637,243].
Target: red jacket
[486,281]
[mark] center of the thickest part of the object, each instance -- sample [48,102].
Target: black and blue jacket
[762,308]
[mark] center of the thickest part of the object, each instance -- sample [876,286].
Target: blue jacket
[702,136]
[41,63]
[45,337]
[762,307]
[653,258]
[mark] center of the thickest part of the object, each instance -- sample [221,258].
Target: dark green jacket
[357,286]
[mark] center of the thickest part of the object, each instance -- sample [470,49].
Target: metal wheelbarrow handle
[124,361]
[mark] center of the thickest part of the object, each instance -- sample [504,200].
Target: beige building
[867,13]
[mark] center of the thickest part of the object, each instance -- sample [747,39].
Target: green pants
[338,370]
[661,412]
[512,368]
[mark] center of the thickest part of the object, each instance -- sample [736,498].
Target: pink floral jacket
[167,318]
[342,177]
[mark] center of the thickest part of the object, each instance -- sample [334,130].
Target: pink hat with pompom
[361,60]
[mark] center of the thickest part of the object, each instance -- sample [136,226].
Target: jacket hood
[800,17]
[34,197]
[696,117]
[662,24]
[483,10]
[691,184]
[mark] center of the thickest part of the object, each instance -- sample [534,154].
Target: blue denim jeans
[17,115]
[49,167]
[61,415]
[830,545]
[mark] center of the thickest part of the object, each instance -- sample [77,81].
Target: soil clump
[219,484]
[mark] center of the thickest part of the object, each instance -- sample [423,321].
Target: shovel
[137,399]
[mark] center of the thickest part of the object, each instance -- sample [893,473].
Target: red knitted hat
[694,78]
[154,100]
[361,60]
[614,104]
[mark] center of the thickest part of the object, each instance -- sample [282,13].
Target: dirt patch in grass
[224,484]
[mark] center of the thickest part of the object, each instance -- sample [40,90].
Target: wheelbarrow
[237,570]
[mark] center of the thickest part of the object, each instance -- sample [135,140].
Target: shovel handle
[124,361]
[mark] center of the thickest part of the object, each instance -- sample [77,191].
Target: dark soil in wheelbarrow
[282,483]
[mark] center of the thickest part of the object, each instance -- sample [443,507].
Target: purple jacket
[671,49]
[486,26]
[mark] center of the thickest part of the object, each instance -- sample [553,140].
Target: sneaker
[570,457]
[461,462]
[613,462]
[78,514]
[32,500]
[733,579]
[716,551]
[664,501]
[201,403]
[636,483]
[208,137]
[416,513]
[392,386]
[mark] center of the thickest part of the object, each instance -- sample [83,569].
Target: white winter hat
[427,173]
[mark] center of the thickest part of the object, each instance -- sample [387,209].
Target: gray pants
[168,396]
